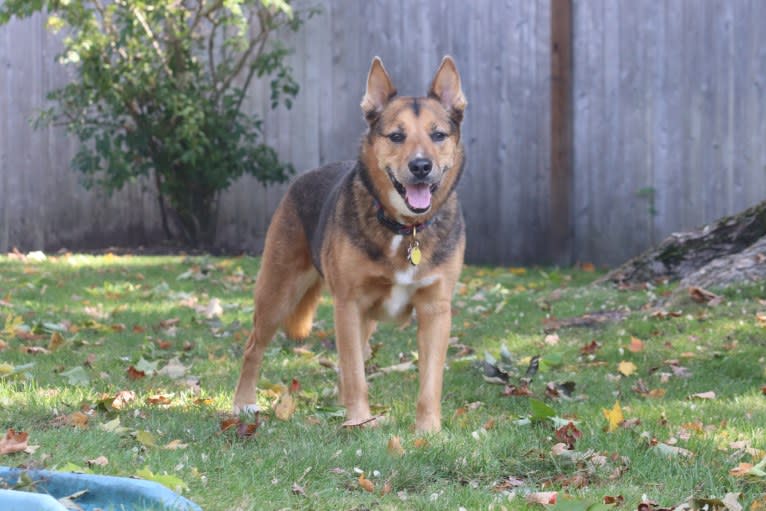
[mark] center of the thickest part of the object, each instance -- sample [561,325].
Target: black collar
[395,226]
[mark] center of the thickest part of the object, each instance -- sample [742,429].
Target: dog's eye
[397,137]
[438,136]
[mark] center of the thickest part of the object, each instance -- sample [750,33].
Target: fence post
[561,177]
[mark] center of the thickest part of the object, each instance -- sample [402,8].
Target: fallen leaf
[100,461]
[672,450]
[285,407]
[76,376]
[568,434]
[731,501]
[636,345]
[297,489]
[122,398]
[701,295]
[540,411]
[741,470]
[13,441]
[159,399]
[395,446]
[174,445]
[174,483]
[146,439]
[134,374]
[167,323]
[78,420]
[229,423]
[213,309]
[57,340]
[366,484]
[704,395]
[248,429]
[174,369]
[520,391]
[613,501]
[626,368]
[613,416]
[542,497]
[590,348]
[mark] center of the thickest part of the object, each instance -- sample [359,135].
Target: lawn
[126,365]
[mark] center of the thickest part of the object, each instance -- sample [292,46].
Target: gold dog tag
[413,251]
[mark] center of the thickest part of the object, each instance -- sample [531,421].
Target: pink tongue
[419,195]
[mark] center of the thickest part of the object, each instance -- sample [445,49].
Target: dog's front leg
[434,321]
[353,384]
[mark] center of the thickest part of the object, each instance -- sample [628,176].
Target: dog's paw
[250,409]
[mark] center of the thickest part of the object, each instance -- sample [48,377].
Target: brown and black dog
[385,233]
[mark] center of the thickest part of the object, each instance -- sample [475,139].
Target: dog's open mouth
[417,196]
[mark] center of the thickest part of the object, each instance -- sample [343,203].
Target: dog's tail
[298,323]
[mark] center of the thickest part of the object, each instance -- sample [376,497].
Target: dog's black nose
[420,167]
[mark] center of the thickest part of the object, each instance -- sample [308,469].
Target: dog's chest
[405,284]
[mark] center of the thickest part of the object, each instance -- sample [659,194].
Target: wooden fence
[666,110]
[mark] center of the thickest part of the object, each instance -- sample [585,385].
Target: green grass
[110,309]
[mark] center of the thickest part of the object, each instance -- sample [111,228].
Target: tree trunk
[682,254]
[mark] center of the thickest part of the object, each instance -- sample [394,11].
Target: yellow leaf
[285,407]
[614,416]
[366,484]
[518,271]
[626,368]
[6,369]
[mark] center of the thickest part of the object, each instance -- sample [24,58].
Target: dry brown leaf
[285,407]
[701,295]
[167,323]
[366,484]
[741,470]
[122,398]
[78,420]
[13,441]
[57,340]
[159,399]
[175,444]
[229,423]
[135,374]
[395,446]
[100,461]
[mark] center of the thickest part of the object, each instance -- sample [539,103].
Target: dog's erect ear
[380,90]
[446,88]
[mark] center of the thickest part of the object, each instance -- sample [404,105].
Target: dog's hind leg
[286,285]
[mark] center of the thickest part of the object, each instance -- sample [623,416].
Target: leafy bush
[159,92]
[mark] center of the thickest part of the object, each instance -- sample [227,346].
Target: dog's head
[412,150]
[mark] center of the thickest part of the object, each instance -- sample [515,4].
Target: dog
[384,233]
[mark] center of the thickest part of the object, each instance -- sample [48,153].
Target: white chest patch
[395,242]
[404,287]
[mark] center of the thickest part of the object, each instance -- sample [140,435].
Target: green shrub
[159,91]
